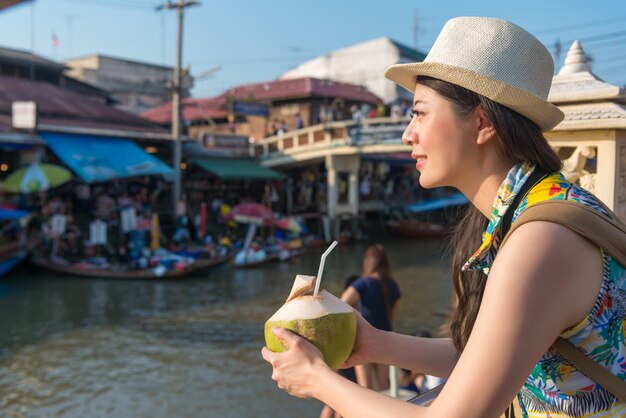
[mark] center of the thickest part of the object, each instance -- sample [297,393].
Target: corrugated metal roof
[302,87]
[16,56]
[58,106]
[275,91]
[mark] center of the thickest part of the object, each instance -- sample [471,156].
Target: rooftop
[24,58]
[65,108]
[269,91]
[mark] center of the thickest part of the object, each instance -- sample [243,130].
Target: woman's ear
[486,130]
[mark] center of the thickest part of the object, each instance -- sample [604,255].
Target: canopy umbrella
[252,213]
[35,178]
[289,223]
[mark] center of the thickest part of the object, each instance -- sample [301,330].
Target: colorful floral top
[555,388]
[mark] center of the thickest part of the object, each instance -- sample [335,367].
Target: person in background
[124,201]
[376,295]
[381,111]
[299,122]
[82,193]
[104,207]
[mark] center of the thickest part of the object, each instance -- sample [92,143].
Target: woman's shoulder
[366,284]
[361,281]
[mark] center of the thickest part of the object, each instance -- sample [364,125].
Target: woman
[478,115]
[376,295]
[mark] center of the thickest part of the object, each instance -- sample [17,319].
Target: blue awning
[457,199]
[12,214]
[101,158]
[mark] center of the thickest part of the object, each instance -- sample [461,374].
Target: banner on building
[250,108]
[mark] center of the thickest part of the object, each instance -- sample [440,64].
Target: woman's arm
[434,356]
[536,289]
[301,372]
[393,313]
[545,280]
[351,296]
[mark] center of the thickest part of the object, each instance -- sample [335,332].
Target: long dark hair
[519,140]
[376,260]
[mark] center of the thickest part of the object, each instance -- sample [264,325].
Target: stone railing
[368,131]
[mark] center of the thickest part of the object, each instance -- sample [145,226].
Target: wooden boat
[60,266]
[424,219]
[286,251]
[10,256]
[411,228]
[12,252]
[275,256]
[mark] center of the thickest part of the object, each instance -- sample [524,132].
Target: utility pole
[176,93]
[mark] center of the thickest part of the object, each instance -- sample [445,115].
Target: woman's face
[443,143]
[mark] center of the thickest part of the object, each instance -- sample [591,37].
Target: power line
[578,26]
[613,69]
[612,60]
[252,60]
[605,44]
[114,5]
[602,37]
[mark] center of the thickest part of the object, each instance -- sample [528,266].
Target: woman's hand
[365,342]
[295,370]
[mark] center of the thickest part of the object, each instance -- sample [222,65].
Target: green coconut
[324,320]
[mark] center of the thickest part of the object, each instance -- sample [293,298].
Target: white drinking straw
[321,269]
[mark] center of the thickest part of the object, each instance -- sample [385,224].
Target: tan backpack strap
[608,233]
[591,369]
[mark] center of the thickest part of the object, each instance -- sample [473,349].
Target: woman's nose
[409,137]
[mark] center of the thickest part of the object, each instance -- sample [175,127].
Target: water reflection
[76,348]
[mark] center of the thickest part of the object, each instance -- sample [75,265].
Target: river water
[186,348]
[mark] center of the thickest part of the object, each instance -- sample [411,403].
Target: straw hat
[494,58]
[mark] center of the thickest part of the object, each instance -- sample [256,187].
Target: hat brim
[543,113]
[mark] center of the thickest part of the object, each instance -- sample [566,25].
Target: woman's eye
[415,113]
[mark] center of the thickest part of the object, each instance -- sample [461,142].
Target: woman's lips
[419,160]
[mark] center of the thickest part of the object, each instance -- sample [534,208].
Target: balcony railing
[368,131]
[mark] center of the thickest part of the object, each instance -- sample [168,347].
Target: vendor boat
[12,252]
[120,271]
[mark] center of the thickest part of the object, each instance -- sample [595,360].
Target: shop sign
[24,115]
[236,144]
[251,108]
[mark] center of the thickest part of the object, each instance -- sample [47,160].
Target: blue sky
[254,40]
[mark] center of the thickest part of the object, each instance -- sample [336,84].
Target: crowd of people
[119,223]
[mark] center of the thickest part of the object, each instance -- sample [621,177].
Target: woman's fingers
[269,356]
[287,337]
[293,368]
[289,340]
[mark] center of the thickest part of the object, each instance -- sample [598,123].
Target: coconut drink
[323,319]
